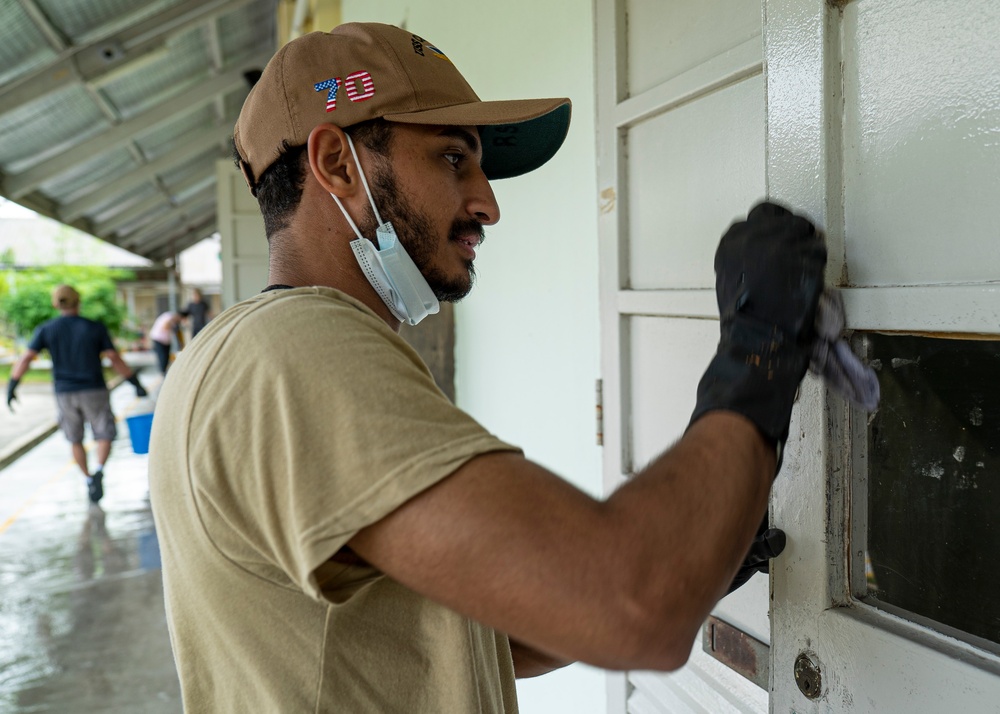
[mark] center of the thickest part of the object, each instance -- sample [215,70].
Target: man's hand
[769,277]
[11,396]
[140,391]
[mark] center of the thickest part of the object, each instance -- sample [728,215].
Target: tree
[29,301]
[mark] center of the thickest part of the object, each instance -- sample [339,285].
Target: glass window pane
[934,482]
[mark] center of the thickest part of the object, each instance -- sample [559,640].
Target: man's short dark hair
[279,189]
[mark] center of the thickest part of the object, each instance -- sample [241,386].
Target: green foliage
[28,301]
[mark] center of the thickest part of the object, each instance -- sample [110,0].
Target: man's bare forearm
[21,366]
[118,364]
[529,662]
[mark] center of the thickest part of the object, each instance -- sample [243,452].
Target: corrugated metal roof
[113,112]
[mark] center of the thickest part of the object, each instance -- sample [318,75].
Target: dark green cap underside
[513,149]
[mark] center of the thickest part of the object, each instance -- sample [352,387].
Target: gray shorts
[89,405]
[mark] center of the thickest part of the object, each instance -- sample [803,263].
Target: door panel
[882,126]
[668,37]
[921,131]
[668,358]
[689,170]
[681,154]
[880,121]
[244,243]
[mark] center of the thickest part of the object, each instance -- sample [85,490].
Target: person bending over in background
[161,336]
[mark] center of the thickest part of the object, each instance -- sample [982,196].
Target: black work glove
[769,277]
[11,397]
[767,544]
[134,381]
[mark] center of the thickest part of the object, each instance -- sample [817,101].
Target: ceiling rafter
[147,205]
[195,144]
[130,214]
[109,52]
[182,212]
[185,240]
[213,44]
[112,115]
[53,36]
[17,185]
[189,223]
[140,171]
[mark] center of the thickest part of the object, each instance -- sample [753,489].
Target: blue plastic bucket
[139,427]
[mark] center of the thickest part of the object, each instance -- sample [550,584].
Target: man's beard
[416,234]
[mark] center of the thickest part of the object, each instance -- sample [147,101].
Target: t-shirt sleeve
[39,341]
[104,339]
[334,424]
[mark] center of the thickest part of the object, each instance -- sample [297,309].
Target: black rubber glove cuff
[767,544]
[756,373]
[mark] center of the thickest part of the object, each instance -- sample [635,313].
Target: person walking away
[77,346]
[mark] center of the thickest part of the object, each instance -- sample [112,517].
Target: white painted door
[244,243]
[880,119]
[884,125]
[681,122]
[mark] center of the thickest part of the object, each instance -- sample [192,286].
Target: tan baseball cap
[362,71]
[65,297]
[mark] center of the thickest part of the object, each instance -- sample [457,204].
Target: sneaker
[95,487]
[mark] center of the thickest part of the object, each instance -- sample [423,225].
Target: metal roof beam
[132,213]
[109,52]
[176,20]
[17,185]
[53,36]
[196,143]
[136,211]
[213,45]
[184,240]
[57,75]
[165,235]
[195,206]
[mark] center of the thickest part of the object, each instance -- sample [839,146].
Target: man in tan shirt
[339,537]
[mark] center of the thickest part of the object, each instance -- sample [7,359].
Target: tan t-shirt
[296,419]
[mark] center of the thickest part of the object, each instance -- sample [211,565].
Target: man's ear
[331,162]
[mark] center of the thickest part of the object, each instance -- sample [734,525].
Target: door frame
[867,659]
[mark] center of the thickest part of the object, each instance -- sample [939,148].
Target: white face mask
[388,267]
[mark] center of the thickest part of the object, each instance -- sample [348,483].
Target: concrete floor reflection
[81,600]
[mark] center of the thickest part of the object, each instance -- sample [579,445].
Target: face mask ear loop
[364,181]
[344,211]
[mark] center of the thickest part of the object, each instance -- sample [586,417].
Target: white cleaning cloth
[833,359]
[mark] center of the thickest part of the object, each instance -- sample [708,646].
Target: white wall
[528,340]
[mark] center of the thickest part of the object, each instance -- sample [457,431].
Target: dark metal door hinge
[600,412]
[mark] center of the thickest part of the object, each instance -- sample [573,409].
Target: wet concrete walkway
[81,600]
[33,418]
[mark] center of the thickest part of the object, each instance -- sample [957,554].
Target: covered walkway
[81,600]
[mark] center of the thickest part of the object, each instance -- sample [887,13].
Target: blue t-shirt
[75,344]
